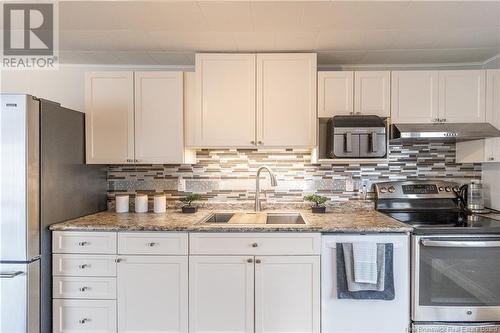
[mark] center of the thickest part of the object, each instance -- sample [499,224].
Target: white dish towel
[365,262]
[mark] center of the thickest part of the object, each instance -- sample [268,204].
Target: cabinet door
[492,146]
[335,93]
[286,100]
[90,316]
[159,134]
[372,92]
[462,96]
[221,294]
[287,294]
[109,117]
[414,97]
[225,95]
[152,294]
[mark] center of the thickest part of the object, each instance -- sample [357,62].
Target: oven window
[459,276]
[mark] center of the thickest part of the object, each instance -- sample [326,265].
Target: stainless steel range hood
[454,132]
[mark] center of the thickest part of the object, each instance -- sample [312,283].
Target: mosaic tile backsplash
[229,175]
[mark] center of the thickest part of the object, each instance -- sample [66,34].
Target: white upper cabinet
[225,91]
[159,117]
[492,146]
[135,121]
[287,294]
[335,93]
[414,96]
[152,294]
[487,150]
[372,93]
[462,96]
[253,100]
[286,99]
[438,96]
[109,114]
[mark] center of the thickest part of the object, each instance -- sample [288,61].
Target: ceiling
[342,32]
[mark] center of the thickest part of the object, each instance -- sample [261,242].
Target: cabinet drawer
[83,265]
[153,243]
[84,316]
[83,242]
[255,243]
[84,287]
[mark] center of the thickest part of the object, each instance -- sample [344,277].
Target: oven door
[456,278]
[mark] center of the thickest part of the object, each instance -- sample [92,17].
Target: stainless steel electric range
[455,257]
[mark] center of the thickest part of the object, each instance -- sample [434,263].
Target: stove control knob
[383,190]
[441,189]
[448,189]
[392,189]
[455,189]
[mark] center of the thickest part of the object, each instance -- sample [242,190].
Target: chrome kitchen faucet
[257,185]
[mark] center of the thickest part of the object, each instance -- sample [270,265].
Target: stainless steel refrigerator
[43,180]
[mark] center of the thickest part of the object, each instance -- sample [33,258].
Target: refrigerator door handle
[10,275]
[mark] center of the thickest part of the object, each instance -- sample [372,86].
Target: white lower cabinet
[90,316]
[134,289]
[152,293]
[287,294]
[221,294]
[253,293]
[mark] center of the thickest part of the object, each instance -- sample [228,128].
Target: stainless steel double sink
[255,218]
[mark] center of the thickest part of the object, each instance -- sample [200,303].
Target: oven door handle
[460,243]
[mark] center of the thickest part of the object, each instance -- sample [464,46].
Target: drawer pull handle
[84,320]
[83,243]
[249,261]
[255,245]
[84,266]
[153,244]
[84,289]
[258,261]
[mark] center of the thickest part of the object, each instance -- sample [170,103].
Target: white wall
[65,85]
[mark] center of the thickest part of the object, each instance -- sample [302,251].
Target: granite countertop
[337,219]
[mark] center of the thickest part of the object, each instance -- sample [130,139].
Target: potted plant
[188,200]
[319,202]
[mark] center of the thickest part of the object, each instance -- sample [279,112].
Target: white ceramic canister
[122,203]
[160,203]
[141,203]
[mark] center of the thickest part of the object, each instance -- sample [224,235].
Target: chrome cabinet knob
[84,266]
[84,320]
[83,243]
[255,244]
[153,244]
[84,289]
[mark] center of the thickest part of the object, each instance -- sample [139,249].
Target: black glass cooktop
[446,222]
